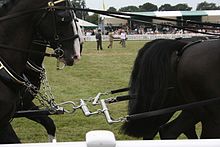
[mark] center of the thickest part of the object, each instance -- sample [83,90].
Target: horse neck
[21,34]
[17,32]
[37,59]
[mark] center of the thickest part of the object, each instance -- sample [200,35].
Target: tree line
[166,7]
[146,7]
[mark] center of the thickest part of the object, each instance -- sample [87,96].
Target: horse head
[57,26]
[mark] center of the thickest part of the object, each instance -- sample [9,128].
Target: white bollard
[100,138]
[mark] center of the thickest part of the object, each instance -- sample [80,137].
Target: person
[98,37]
[111,39]
[123,38]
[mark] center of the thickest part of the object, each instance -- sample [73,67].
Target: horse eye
[64,16]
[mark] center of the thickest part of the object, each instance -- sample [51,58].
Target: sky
[98,4]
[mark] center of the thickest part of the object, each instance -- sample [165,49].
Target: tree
[207,6]
[84,14]
[182,7]
[92,18]
[80,4]
[129,9]
[112,9]
[165,7]
[148,7]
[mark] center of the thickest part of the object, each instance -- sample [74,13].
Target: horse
[157,69]
[34,72]
[133,83]
[21,20]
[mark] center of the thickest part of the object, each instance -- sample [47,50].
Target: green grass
[95,72]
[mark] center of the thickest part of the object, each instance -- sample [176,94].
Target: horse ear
[3,4]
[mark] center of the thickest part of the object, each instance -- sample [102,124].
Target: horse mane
[135,72]
[148,84]
[151,72]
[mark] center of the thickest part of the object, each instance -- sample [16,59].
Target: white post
[100,138]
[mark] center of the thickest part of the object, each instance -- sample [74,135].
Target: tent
[84,23]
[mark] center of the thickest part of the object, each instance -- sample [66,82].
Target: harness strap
[172,109]
[5,47]
[28,113]
[34,67]
[73,37]
[179,53]
[13,80]
[119,90]
[8,75]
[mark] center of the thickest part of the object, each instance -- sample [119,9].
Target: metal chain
[43,95]
[46,99]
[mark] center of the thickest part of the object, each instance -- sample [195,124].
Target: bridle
[57,40]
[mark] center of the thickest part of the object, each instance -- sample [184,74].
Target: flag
[103,5]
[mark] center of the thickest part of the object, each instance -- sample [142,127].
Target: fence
[107,139]
[147,36]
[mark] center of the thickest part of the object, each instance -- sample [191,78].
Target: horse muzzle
[70,61]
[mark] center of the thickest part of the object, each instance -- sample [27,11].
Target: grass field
[95,72]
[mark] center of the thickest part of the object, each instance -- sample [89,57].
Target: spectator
[123,38]
[111,39]
[98,37]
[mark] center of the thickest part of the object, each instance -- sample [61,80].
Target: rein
[120,14]
[142,16]
[169,25]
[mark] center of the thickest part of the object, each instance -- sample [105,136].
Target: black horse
[35,73]
[134,85]
[159,84]
[22,19]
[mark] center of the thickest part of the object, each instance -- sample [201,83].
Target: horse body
[199,79]
[17,28]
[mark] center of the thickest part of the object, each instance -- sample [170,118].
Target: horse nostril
[77,57]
